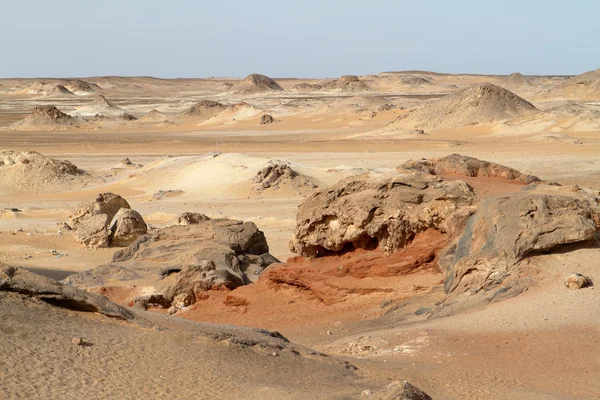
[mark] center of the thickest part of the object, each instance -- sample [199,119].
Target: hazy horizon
[186,39]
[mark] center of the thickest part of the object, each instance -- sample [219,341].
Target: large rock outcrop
[478,105]
[20,280]
[45,118]
[456,164]
[386,212]
[101,223]
[507,228]
[255,83]
[205,254]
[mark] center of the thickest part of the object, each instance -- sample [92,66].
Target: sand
[542,344]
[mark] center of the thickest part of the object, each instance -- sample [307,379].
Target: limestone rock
[189,218]
[388,211]
[100,223]
[19,280]
[275,174]
[400,390]
[266,119]
[212,253]
[456,164]
[506,228]
[126,226]
[577,281]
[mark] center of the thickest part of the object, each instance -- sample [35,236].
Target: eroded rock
[19,280]
[388,211]
[506,228]
[456,164]
[211,253]
[577,281]
[101,223]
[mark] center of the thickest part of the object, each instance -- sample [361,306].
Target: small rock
[274,354]
[329,333]
[577,281]
[77,341]
[172,310]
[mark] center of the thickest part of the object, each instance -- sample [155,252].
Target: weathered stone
[189,218]
[506,228]
[456,164]
[126,226]
[19,280]
[577,281]
[388,211]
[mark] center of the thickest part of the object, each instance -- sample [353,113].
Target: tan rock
[577,281]
[126,226]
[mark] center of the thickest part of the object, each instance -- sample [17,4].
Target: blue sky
[181,38]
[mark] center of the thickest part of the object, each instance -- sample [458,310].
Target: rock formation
[456,164]
[206,254]
[205,109]
[506,228]
[385,212]
[40,172]
[45,118]
[255,83]
[101,223]
[19,280]
[266,119]
[480,104]
[276,174]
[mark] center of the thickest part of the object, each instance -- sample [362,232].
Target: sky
[286,38]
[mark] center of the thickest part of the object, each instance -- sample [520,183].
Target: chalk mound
[101,106]
[45,118]
[237,112]
[155,116]
[573,117]
[346,83]
[60,90]
[30,172]
[477,105]
[306,87]
[58,87]
[413,81]
[517,79]
[204,109]
[277,175]
[255,83]
[81,87]
[583,87]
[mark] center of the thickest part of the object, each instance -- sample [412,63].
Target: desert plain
[398,227]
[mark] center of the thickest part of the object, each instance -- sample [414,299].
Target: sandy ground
[544,344]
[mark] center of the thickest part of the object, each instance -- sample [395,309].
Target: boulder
[386,211]
[577,281]
[98,224]
[126,226]
[400,390]
[276,173]
[456,164]
[266,119]
[189,218]
[19,280]
[506,228]
[184,259]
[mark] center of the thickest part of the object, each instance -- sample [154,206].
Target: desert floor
[542,344]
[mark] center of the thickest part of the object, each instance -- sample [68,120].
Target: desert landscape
[399,235]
